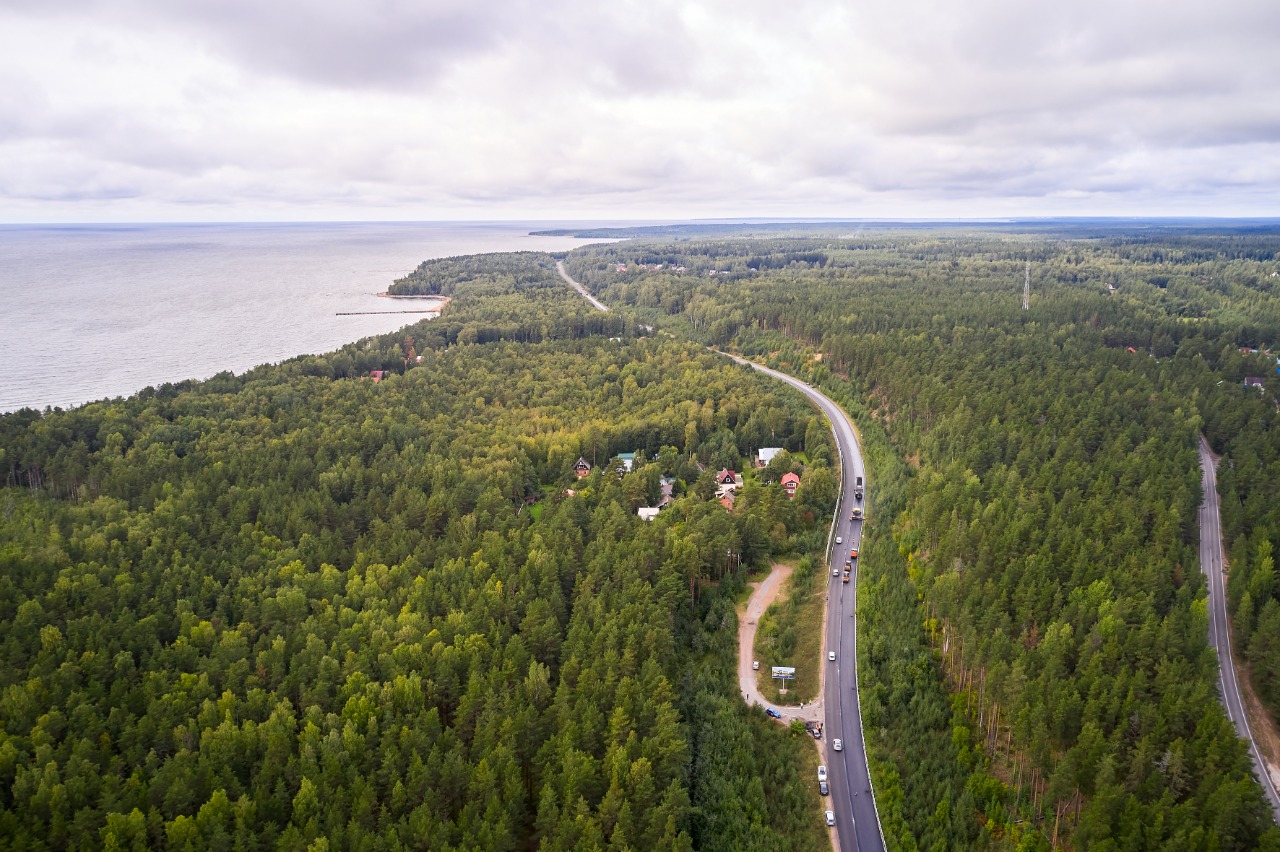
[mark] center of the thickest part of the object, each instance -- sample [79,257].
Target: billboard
[784,672]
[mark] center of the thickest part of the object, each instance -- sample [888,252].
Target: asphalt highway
[852,799]
[582,291]
[1211,562]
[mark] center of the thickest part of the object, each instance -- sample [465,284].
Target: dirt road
[763,594]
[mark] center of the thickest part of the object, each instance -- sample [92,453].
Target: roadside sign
[784,672]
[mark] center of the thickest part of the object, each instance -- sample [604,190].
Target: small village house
[790,482]
[765,455]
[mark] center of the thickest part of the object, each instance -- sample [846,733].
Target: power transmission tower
[1026,290]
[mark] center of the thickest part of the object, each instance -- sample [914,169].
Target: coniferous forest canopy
[297,607]
[300,609]
[1033,640]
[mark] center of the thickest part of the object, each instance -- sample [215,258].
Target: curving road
[852,798]
[1212,563]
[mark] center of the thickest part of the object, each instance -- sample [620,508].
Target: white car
[831,818]
[831,655]
[839,540]
[755,665]
[835,572]
[822,772]
[837,745]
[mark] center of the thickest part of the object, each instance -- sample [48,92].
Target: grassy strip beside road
[790,634]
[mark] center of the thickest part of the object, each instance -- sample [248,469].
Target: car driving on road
[838,745]
[831,655]
[774,713]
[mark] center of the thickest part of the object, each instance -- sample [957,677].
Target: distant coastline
[177,302]
[444,300]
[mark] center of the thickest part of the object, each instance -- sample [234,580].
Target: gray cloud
[449,108]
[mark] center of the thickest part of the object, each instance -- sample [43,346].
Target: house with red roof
[790,482]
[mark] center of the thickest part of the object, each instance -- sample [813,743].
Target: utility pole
[1026,290]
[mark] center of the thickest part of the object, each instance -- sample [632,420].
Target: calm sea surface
[93,311]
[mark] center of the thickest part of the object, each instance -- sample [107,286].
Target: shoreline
[443,300]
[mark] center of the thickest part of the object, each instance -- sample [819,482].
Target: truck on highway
[845,578]
[853,553]
[857,488]
[856,514]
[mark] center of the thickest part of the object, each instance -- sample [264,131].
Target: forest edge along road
[857,816]
[599,306]
[1212,563]
[852,793]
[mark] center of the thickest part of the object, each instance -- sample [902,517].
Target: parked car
[831,655]
[774,713]
[837,745]
[822,772]
[823,788]
[755,665]
[831,817]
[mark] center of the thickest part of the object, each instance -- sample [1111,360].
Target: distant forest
[362,600]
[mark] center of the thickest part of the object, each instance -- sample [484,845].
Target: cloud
[445,108]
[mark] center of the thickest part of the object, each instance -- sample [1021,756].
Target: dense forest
[362,601]
[304,609]
[1033,626]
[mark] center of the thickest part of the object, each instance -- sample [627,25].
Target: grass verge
[790,634]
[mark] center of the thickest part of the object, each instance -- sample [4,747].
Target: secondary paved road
[600,306]
[852,799]
[1211,562]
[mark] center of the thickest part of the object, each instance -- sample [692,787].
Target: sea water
[94,311]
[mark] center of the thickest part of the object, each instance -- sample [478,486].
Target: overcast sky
[160,110]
